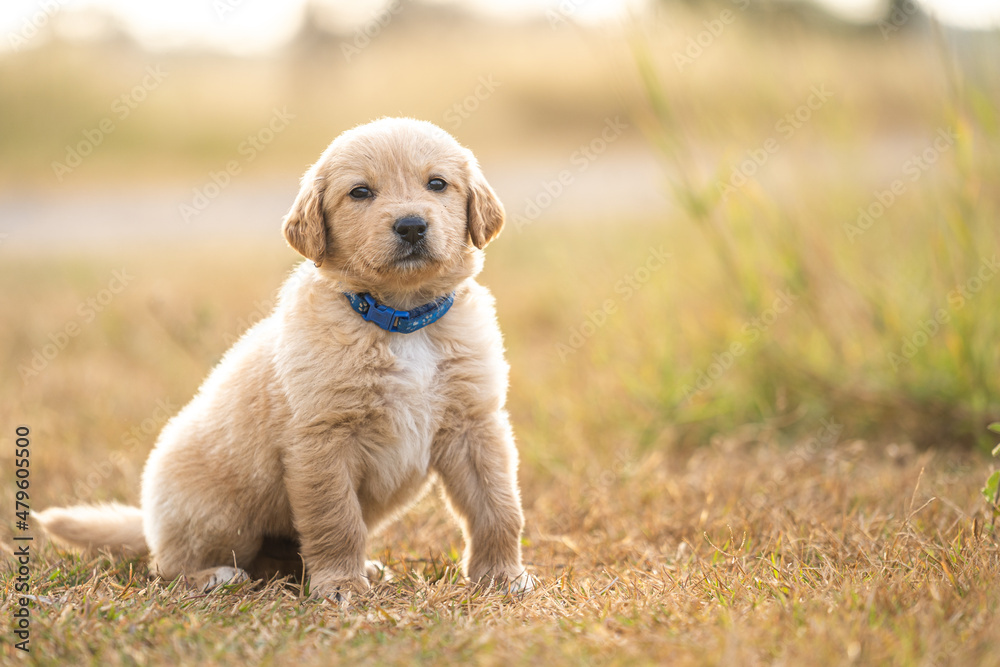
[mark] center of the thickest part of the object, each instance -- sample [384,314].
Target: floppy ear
[483,210]
[305,225]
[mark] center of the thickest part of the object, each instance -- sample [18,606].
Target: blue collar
[399,321]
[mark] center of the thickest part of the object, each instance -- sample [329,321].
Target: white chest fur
[400,467]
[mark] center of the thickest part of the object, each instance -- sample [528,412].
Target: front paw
[376,572]
[336,589]
[510,582]
[521,584]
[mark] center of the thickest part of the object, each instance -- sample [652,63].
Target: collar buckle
[384,316]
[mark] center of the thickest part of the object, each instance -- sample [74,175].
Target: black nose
[411,228]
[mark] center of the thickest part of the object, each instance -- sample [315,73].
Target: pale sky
[252,26]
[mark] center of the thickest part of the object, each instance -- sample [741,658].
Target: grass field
[752,426]
[742,554]
[753,547]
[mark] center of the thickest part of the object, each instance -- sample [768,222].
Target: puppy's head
[397,207]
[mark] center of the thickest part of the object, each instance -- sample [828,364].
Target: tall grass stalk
[859,343]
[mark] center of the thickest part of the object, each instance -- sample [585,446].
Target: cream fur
[317,427]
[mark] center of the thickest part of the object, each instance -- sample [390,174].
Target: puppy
[381,368]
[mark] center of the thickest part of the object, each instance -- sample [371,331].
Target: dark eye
[361,192]
[436,184]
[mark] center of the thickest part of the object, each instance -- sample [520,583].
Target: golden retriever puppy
[381,368]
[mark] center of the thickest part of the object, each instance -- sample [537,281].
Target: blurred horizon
[158,127]
[767,149]
[256,27]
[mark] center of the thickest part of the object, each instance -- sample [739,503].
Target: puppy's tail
[94,527]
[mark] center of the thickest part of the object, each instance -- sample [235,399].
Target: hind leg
[178,555]
[189,545]
[192,523]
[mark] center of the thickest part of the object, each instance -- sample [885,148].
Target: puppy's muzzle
[411,229]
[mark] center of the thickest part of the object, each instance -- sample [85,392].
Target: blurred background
[771,220]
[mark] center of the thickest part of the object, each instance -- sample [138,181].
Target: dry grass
[751,549]
[742,553]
